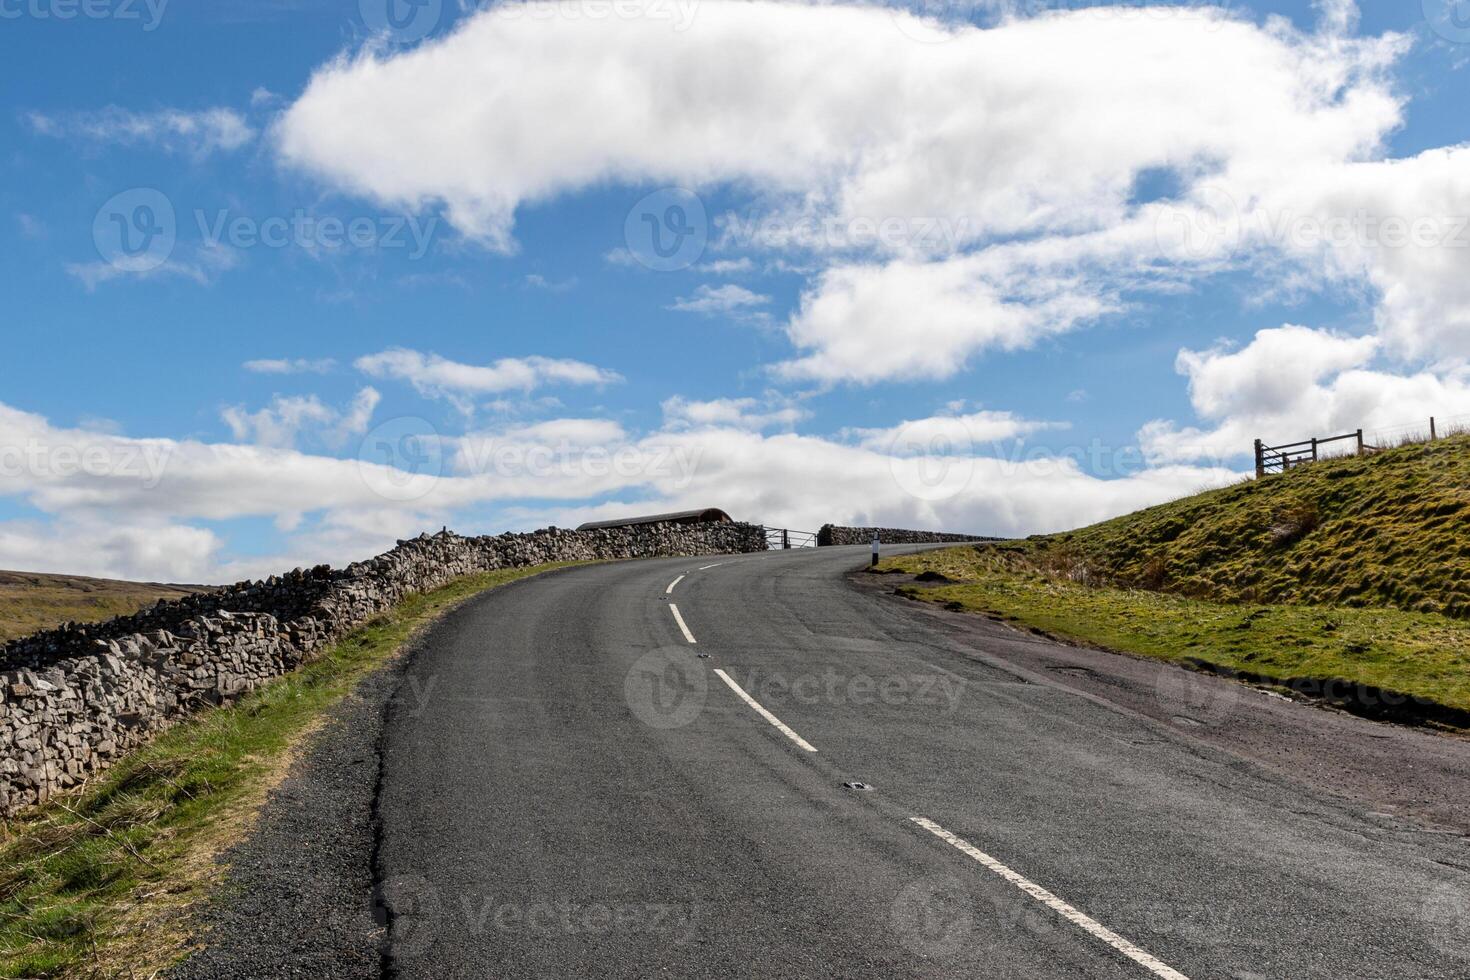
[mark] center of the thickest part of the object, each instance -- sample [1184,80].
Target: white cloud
[150,552]
[294,365]
[727,267]
[883,127]
[967,432]
[287,418]
[1402,226]
[201,132]
[869,323]
[769,479]
[1293,383]
[727,300]
[438,377]
[537,281]
[964,196]
[737,413]
[1338,17]
[202,265]
[151,493]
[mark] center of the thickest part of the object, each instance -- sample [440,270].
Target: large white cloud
[972,194]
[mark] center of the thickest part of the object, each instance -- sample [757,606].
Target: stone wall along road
[73,699]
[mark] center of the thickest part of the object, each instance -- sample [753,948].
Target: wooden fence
[1279,459]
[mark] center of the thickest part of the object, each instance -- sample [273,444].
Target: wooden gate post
[1260,459]
[1314,449]
[1432,434]
[1360,442]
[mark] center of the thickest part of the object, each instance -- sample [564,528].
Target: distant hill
[30,601]
[1388,530]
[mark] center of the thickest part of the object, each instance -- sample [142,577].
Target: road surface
[748,766]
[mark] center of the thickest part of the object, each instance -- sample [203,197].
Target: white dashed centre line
[683,627]
[760,710]
[705,568]
[670,589]
[1097,929]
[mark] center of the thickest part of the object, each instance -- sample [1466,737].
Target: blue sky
[1030,346]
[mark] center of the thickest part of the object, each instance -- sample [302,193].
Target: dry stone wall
[73,699]
[831,534]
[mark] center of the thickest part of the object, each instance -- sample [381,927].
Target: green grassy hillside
[1353,570]
[30,601]
[1388,530]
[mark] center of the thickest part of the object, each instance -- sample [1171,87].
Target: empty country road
[750,766]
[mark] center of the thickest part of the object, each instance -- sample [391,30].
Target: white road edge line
[760,710]
[670,589]
[682,626]
[1097,929]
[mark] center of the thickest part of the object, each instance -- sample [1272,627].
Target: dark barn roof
[710,515]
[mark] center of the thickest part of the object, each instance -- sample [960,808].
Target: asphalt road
[570,787]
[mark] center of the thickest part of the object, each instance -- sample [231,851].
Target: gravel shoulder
[300,896]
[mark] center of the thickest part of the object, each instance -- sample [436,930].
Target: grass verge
[1382,653]
[98,884]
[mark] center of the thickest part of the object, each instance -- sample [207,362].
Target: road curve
[795,778]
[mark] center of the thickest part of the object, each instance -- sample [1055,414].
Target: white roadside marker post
[875,549]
